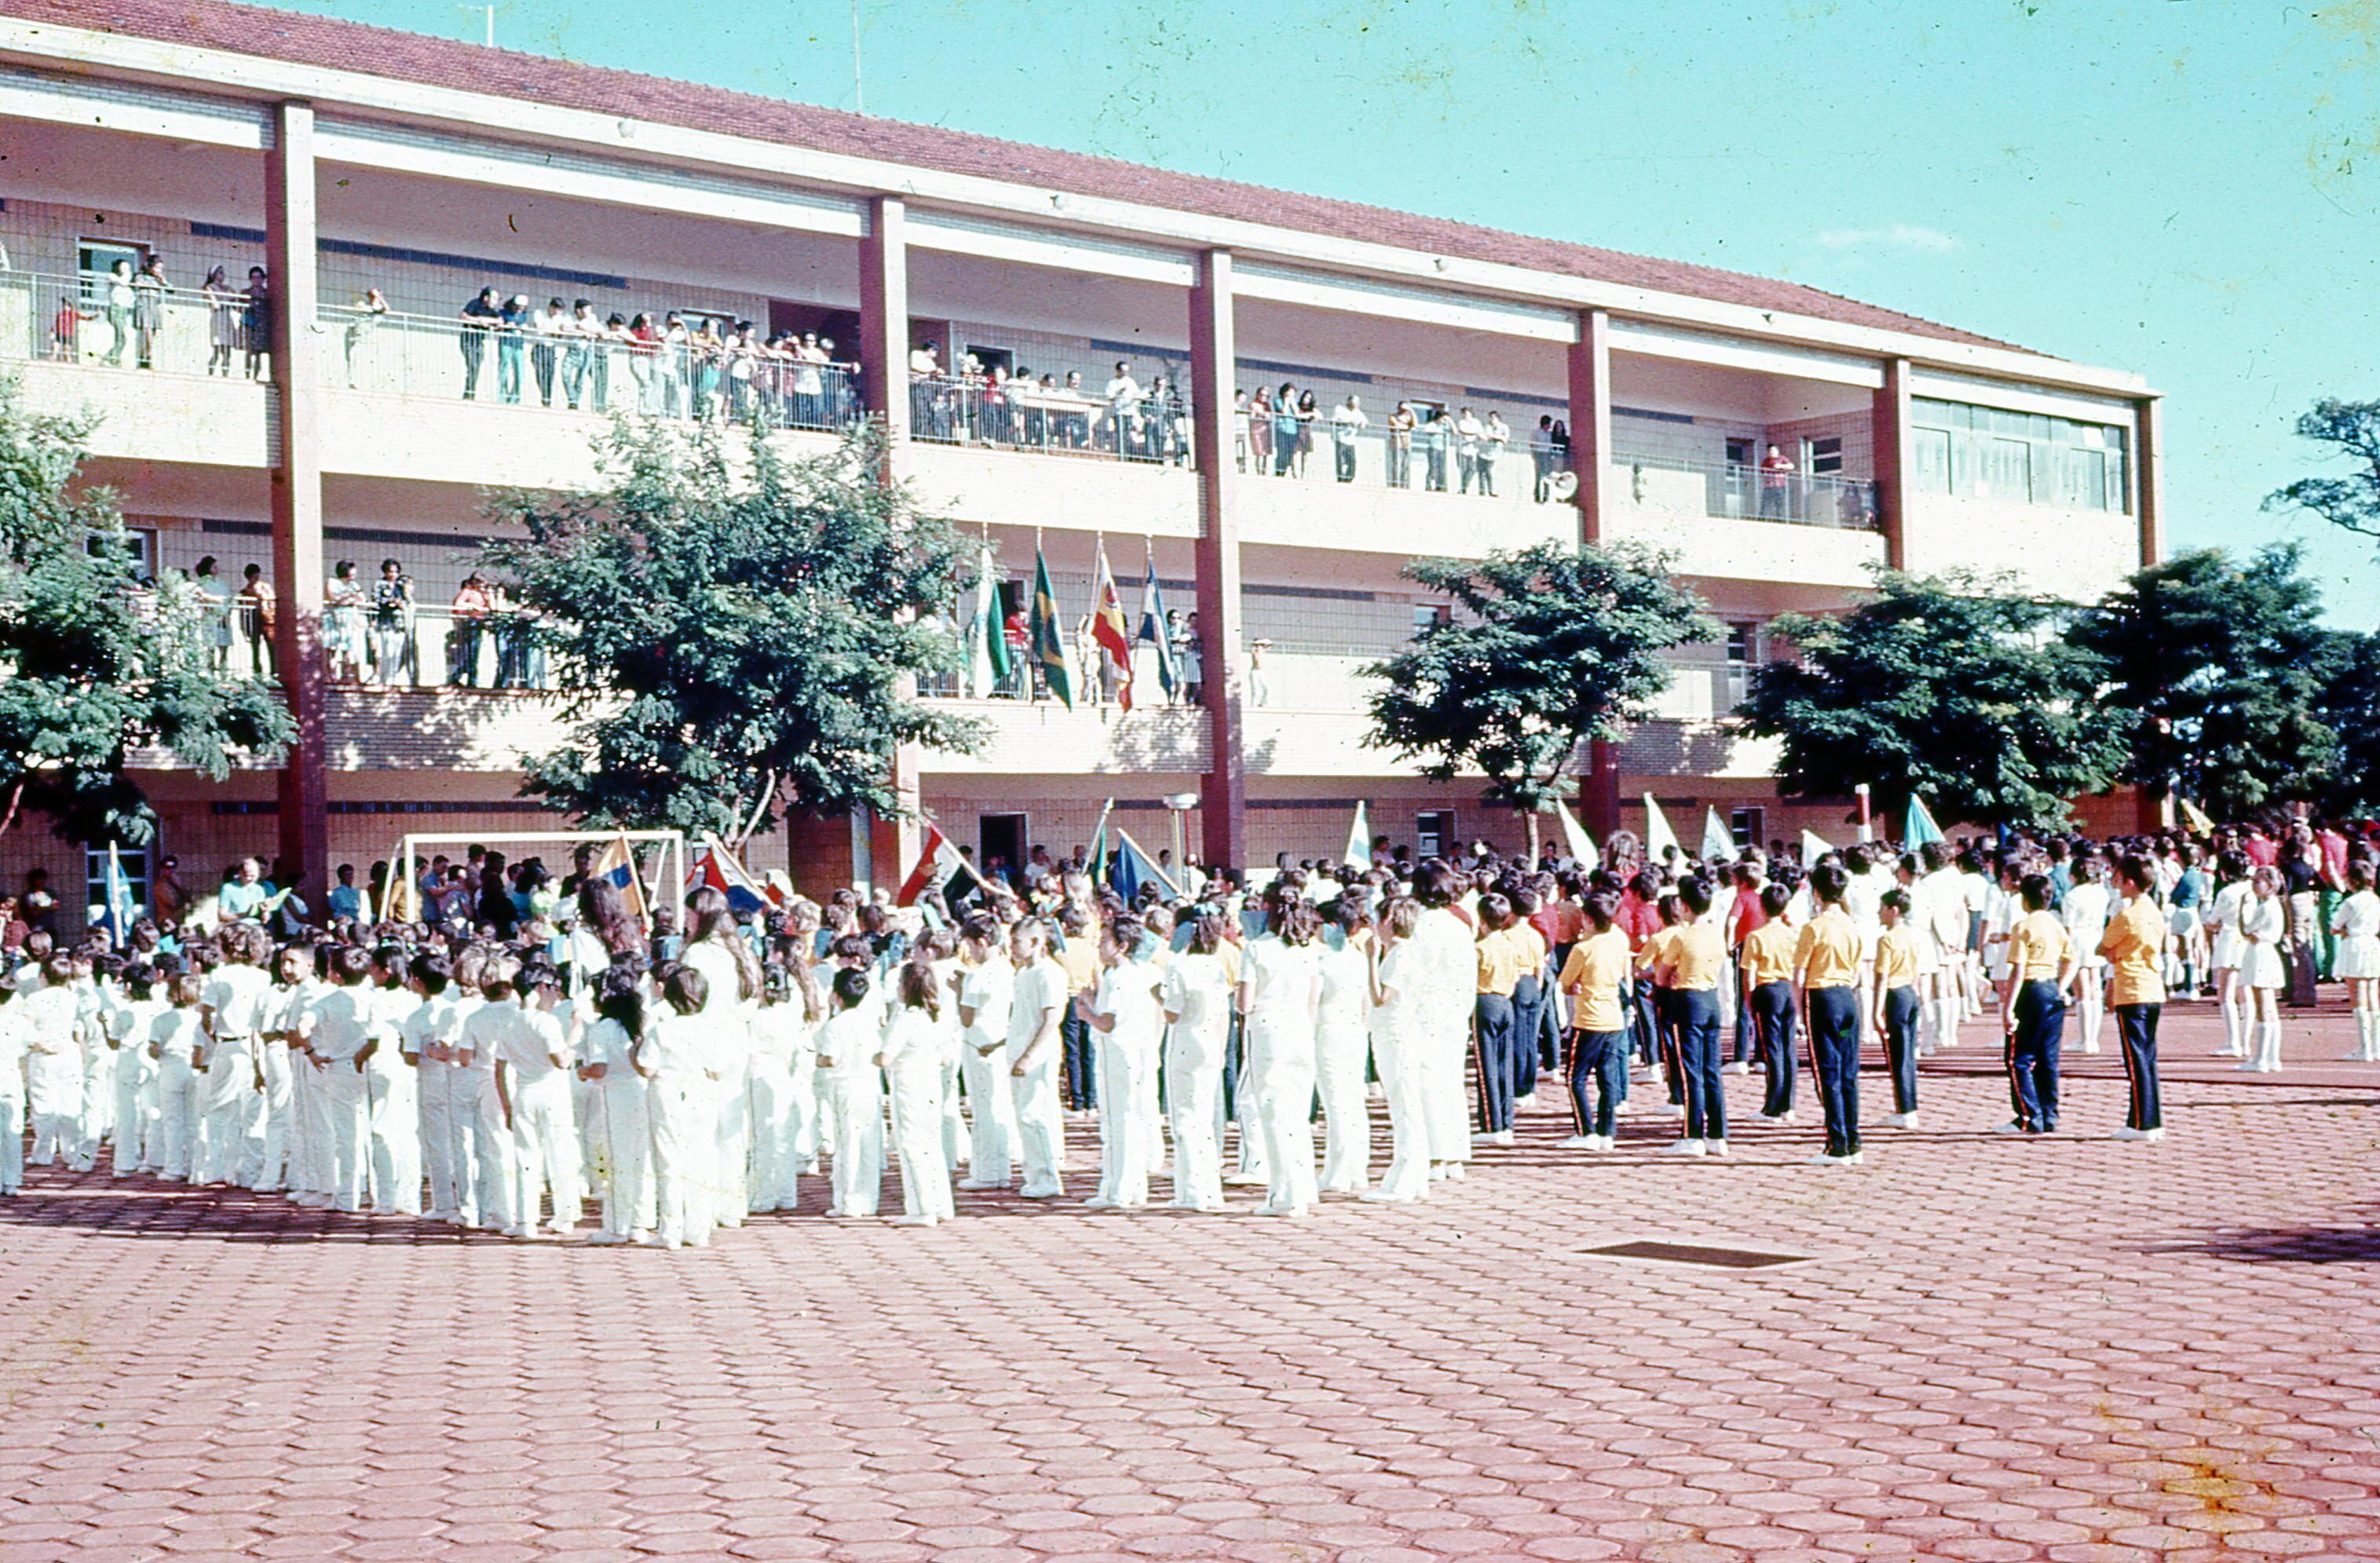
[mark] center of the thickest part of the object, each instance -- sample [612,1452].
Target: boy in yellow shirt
[2134,946]
[1595,977]
[1826,968]
[1896,1003]
[1767,963]
[2042,963]
[1691,968]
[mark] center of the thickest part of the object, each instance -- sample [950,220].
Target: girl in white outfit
[717,949]
[1444,970]
[235,1007]
[777,1115]
[608,1059]
[1127,1029]
[2223,918]
[2262,970]
[1197,995]
[987,991]
[673,1058]
[392,1080]
[132,1010]
[428,1037]
[1280,989]
[2356,921]
[174,1038]
[851,1090]
[47,1020]
[2085,914]
[336,1031]
[917,1041]
[1399,1047]
[1342,1045]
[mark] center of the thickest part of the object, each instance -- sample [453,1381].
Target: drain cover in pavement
[1695,1253]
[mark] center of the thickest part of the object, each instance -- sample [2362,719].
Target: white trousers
[776,1166]
[731,1195]
[1285,1120]
[1193,1090]
[992,1115]
[277,1119]
[1340,1054]
[230,1098]
[433,1104]
[681,1118]
[346,1099]
[1446,1105]
[170,1141]
[917,1107]
[545,1151]
[1128,1149]
[1406,1080]
[854,1101]
[1040,1124]
[12,1140]
[492,1148]
[134,1071]
[627,1130]
[395,1121]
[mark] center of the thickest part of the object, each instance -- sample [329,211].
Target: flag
[1099,845]
[1109,629]
[1153,631]
[1657,834]
[1919,826]
[1814,847]
[939,863]
[1574,837]
[119,912]
[721,871]
[618,863]
[1048,636]
[1358,855]
[1135,869]
[1718,840]
[2195,817]
[987,637]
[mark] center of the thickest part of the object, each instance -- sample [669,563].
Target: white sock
[2268,1047]
[2231,1023]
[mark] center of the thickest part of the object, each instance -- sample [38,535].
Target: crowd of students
[535,1044]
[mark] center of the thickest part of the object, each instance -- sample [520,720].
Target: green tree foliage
[1549,648]
[2350,706]
[728,625]
[1952,686]
[2213,670]
[95,663]
[2350,501]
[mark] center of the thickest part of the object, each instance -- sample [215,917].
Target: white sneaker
[2155,1135]
[1579,1142]
[1673,1110]
[1714,1147]
[1682,1148]
[1900,1120]
[977,1186]
[1500,1137]
[1782,1120]
[1042,1191]
[1823,1159]
[1738,1066]
[2129,1134]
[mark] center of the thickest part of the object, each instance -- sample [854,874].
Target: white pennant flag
[1358,855]
[1580,845]
[1658,836]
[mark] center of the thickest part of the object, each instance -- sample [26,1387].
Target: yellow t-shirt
[2133,945]
[1827,954]
[1598,965]
[1503,961]
[2038,947]
[1768,952]
[1080,960]
[1896,958]
[1655,952]
[1698,954]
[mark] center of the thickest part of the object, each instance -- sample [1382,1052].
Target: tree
[1951,686]
[2350,706]
[2352,502]
[94,661]
[2213,674]
[1552,648]
[731,627]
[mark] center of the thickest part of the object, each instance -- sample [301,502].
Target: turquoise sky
[2183,188]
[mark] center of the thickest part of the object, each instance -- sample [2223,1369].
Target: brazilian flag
[1049,639]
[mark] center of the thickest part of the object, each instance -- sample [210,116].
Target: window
[2004,470]
[1932,448]
[97,258]
[1824,455]
[1434,834]
[1749,826]
[1742,656]
[2018,458]
[1427,616]
[140,547]
[135,864]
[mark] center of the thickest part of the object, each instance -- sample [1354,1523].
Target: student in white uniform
[624,1122]
[1342,1045]
[1127,1031]
[234,1008]
[133,1010]
[96,1123]
[1280,989]
[1400,1042]
[717,948]
[851,1090]
[533,1076]
[2087,910]
[392,1081]
[428,1036]
[1197,995]
[491,1134]
[987,989]
[2356,922]
[2224,914]
[12,1095]
[777,1118]
[336,1031]
[49,1020]
[674,1056]
[916,1042]
[1443,967]
[302,1137]
[1036,1004]
[174,1038]
[2264,919]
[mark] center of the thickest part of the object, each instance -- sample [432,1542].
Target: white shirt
[336,1029]
[240,996]
[1040,988]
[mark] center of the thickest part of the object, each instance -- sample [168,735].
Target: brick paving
[2069,1349]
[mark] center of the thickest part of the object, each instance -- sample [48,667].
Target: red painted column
[1889,433]
[1214,353]
[1590,461]
[884,851]
[296,495]
[2148,477]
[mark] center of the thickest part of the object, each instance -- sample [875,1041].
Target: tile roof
[415,57]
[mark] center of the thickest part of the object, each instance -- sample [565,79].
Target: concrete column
[2148,477]
[885,849]
[296,498]
[1214,353]
[1889,431]
[1590,461]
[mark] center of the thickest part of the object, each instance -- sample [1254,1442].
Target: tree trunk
[1533,817]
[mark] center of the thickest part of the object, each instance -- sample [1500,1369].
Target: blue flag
[1130,869]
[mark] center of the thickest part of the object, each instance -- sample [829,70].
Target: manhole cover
[1700,1254]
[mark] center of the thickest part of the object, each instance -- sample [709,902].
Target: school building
[342,158]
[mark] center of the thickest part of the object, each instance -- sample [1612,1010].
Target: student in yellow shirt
[2134,945]
[1895,1004]
[1768,966]
[2042,964]
[1652,966]
[1503,960]
[1594,978]
[1826,968]
[1692,968]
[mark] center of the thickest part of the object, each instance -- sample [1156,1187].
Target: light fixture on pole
[1177,805]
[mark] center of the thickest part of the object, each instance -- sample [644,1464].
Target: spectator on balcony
[343,623]
[810,382]
[215,610]
[1467,433]
[1308,415]
[1124,397]
[256,605]
[1401,437]
[1347,425]
[1777,472]
[1259,686]
[1189,654]
[116,298]
[1168,434]
[547,327]
[513,327]
[66,328]
[676,366]
[1561,446]
[586,367]
[1075,412]
[744,373]
[225,312]
[481,318]
[149,290]
[1430,436]
[1240,428]
[1019,637]
[1261,430]
[1000,407]
[643,344]
[363,323]
[925,372]
[391,623]
[470,616]
[1284,429]
[702,348]
[256,323]
[1495,438]
[1541,459]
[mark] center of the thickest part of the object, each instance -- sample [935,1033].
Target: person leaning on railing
[479,319]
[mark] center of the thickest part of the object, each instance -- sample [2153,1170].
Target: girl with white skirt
[2225,946]
[917,1043]
[1196,997]
[717,949]
[775,1119]
[2262,971]
[851,1088]
[674,1058]
[2356,922]
[1127,1028]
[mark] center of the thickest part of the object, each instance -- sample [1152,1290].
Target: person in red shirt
[1743,917]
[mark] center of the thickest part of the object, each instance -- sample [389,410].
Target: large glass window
[2017,458]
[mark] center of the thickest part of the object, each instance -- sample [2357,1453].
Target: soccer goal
[659,888]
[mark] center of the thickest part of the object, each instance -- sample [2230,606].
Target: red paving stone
[2073,1349]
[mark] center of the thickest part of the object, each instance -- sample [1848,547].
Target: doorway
[1001,844]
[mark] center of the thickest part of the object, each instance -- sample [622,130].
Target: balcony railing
[1738,491]
[107,322]
[1152,427]
[423,647]
[1440,456]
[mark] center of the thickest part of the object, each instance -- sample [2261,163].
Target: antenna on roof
[858,95]
[490,12]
